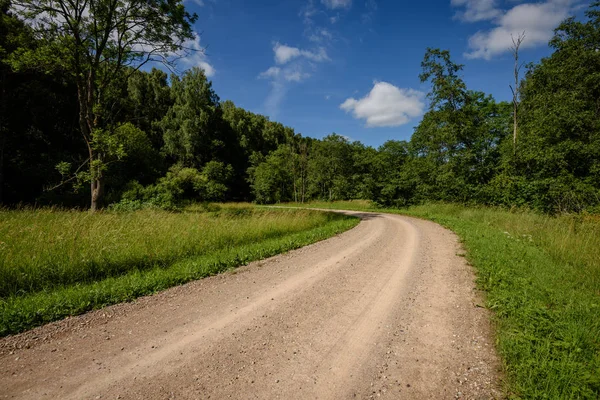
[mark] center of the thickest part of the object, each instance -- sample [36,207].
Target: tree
[392,184]
[516,90]
[448,89]
[330,168]
[96,41]
[456,145]
[559,157]
[149,99]
[190,126]
[271,178]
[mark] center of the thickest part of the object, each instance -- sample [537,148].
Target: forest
[161,140]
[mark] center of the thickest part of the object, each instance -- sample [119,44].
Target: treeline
[173,140]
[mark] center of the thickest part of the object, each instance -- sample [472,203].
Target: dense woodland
[159,140]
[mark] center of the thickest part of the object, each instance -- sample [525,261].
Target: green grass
[542,278]
[59,263]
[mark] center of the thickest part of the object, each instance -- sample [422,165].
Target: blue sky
[352,66]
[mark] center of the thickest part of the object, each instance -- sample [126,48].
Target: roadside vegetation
[541,276]
[56,263]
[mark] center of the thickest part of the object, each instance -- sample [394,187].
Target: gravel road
[387,309]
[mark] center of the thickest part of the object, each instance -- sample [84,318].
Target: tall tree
[95,41]
[455,146]
[559,159]
[516,89]
[191,125]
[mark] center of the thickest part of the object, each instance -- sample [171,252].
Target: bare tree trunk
[516,90]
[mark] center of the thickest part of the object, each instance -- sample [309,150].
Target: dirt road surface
[388,309]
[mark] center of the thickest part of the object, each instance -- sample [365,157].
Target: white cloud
[477,10]
[285,54]
[196,56]
[386,105]
[308,12]
[209,70]
[295,75]
[320,35]
[333,4]
[292,73]
[291,67]
[272,72]
[280,79]
[537,20]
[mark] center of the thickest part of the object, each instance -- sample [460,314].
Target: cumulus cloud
[386,105]
[537,20]
[333,4]
[284,54]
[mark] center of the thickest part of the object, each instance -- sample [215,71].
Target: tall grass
[56,263]
[542,278]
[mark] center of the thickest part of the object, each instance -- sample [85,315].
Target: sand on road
[387,309]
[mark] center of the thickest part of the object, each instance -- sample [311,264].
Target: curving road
[387,309]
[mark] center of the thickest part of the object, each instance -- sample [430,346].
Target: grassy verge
[542,278]
[59,263]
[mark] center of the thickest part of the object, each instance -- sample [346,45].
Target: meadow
[541,277]
[56,263]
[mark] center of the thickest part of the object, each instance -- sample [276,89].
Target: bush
[180,185]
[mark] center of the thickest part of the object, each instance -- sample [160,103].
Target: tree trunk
[515,128]
[2,134]
[97,187]
[515,91]
[88,122]
[2,144]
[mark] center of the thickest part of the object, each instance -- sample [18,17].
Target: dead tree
[516,90]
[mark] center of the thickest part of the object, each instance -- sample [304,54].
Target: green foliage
[96,44]
[179,186]
[456,147]
[448,89]
[189,125]
[271,179]
[149,98]
[559,149]
[330,167]
[393,184]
